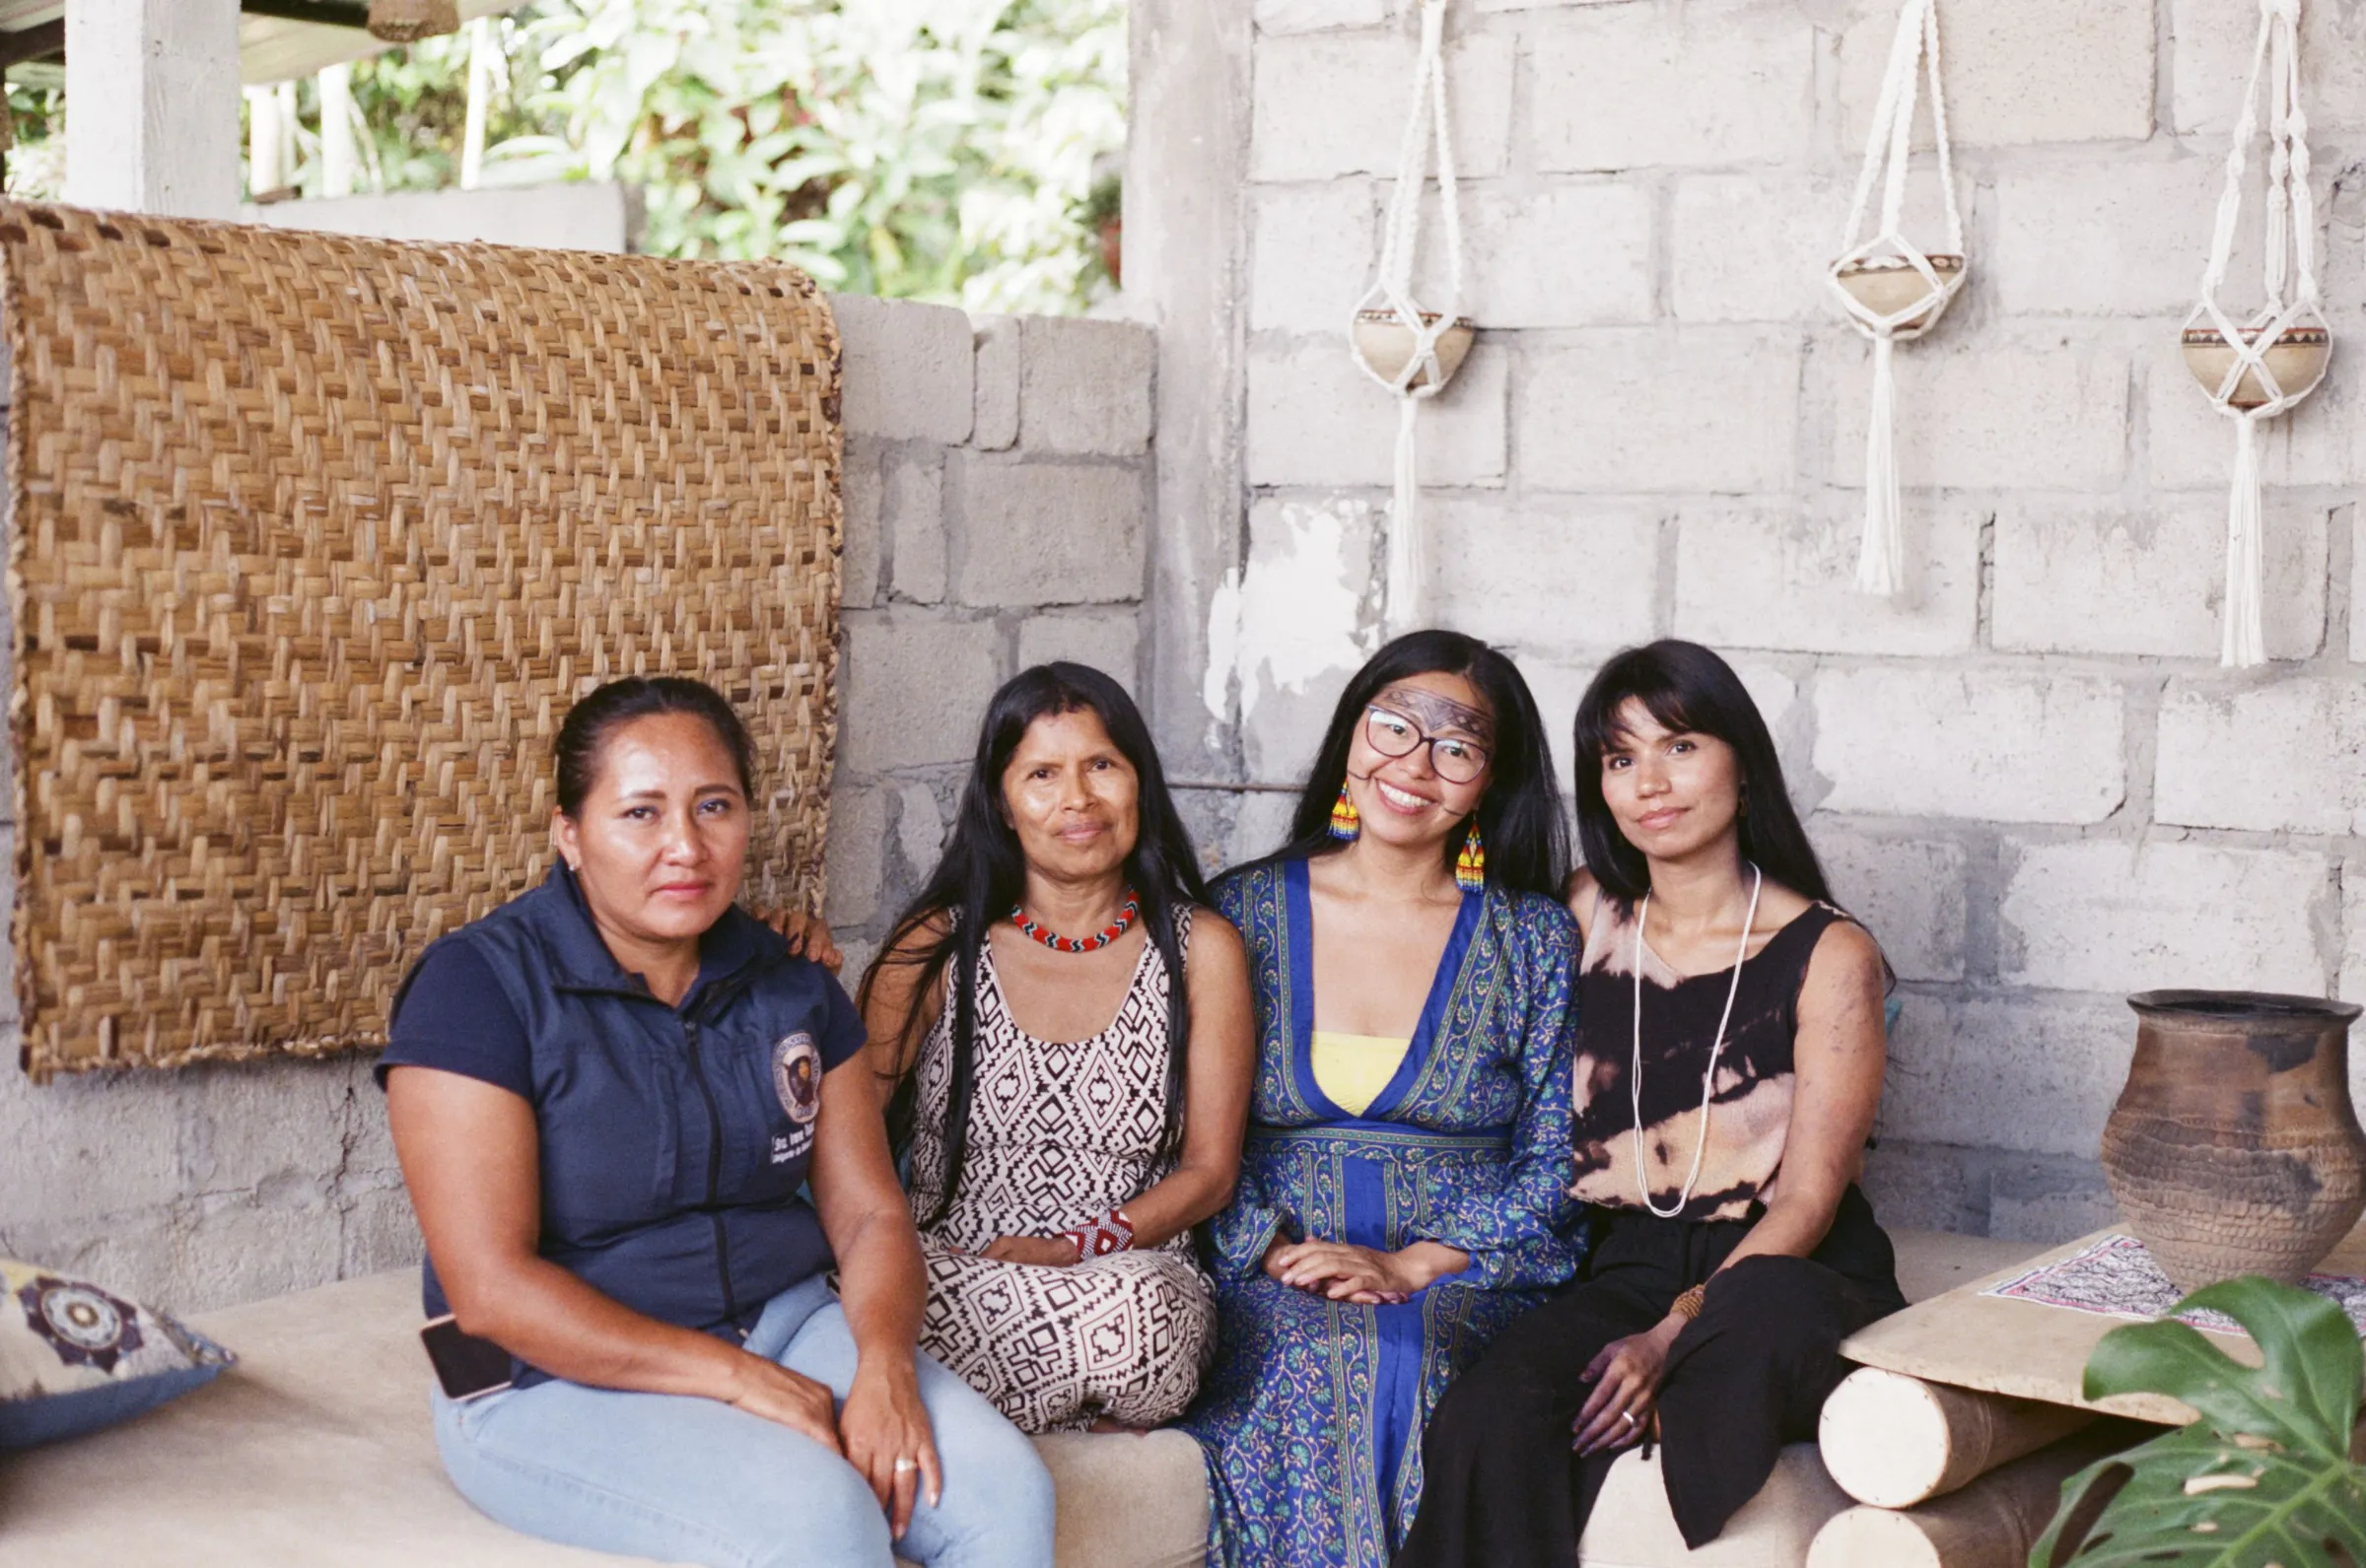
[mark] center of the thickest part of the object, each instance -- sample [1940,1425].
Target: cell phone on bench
[468,1368]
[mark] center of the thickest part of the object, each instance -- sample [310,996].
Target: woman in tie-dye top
[1729,1064]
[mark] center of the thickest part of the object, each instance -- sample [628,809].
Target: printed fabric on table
[2117,1278]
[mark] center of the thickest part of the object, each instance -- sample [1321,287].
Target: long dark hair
[1519,816]
[983,873]
[1686,687]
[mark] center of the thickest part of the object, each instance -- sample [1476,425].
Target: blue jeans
[694,1480]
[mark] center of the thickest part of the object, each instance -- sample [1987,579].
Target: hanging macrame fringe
[2258,369]
[1890,289]
[1411,350]
[2245,642]
[1401,604]
[1882,547]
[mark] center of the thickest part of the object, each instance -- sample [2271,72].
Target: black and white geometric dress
[1058,1133]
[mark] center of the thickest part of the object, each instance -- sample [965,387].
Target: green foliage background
[935,149]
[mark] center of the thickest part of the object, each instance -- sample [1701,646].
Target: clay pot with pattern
[409,21]
[1886,285]
[1385,343]
[2234,1148]
[2296,358]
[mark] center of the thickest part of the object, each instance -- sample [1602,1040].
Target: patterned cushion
[74,1358]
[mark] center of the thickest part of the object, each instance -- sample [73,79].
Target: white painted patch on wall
[1297,613]
[1223,649]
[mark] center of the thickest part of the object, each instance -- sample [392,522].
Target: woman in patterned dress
[1728,1071]
[1403,1190]
[1077,1105]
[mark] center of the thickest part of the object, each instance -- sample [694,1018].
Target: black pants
[1503,1488]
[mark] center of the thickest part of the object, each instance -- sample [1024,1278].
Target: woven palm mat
[315,539]
[2118,1278]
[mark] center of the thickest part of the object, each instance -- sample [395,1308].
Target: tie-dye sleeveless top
[1751,1113]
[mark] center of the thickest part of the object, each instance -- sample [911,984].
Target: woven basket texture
[313,541]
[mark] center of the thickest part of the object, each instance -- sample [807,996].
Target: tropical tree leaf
[2304,1396]
[2262,1480]
[2193,1500]
[845,135]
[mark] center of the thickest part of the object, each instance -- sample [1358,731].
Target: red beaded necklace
[1081,944]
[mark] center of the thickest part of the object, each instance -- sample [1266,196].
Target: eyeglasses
[1395,735]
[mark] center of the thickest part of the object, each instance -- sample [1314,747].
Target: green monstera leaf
[2262,1480]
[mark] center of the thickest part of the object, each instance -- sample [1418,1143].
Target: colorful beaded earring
[1346,822]
[1470,866]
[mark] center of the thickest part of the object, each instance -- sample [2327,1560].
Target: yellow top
[1353,1069]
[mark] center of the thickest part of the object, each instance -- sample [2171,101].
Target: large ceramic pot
[2234,1148]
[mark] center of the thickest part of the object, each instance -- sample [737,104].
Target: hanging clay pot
[409,21]
[2297,360]
[1385,343]
[2234,1148]
[1887,285]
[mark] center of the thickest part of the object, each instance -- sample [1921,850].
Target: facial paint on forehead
[1436,713]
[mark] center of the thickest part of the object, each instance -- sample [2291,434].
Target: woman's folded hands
[1364,1276]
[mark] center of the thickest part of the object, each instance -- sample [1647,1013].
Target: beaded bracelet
[1101,1235]
[1688,1305]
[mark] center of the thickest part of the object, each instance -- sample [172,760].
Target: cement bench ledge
[317,1450]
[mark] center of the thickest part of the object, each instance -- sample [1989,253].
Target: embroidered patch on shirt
[796,1076]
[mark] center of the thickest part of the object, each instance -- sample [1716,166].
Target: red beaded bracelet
[1101,1235]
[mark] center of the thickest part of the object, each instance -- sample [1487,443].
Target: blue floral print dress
[1311,1417]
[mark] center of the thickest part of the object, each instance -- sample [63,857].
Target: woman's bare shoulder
[1846,959]
[893,977]
[916,940]
[1778,905]
[1214,936]
[1581,893]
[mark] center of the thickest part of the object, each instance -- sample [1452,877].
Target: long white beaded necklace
[1708,1079]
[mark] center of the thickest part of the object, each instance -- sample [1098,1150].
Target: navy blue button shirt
[674,1140]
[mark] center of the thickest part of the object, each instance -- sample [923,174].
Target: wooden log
[1895,1440]
[1993,1522]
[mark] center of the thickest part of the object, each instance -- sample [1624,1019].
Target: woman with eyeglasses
[1403,1191]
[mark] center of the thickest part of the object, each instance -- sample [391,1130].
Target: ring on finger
[903,1465]
[1627,1416]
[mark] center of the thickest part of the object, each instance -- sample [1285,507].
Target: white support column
[338,158]
[291,155]
[480,84]
[266,170]
[155,86]
[1187,162]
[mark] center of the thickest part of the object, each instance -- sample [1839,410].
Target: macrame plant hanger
[1891,289]
[2258,369]
[1410,349]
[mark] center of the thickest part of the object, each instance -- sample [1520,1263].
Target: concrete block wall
[2027,771]
[998,495]
[998,511]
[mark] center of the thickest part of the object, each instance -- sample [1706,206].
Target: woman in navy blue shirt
[607,1096]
